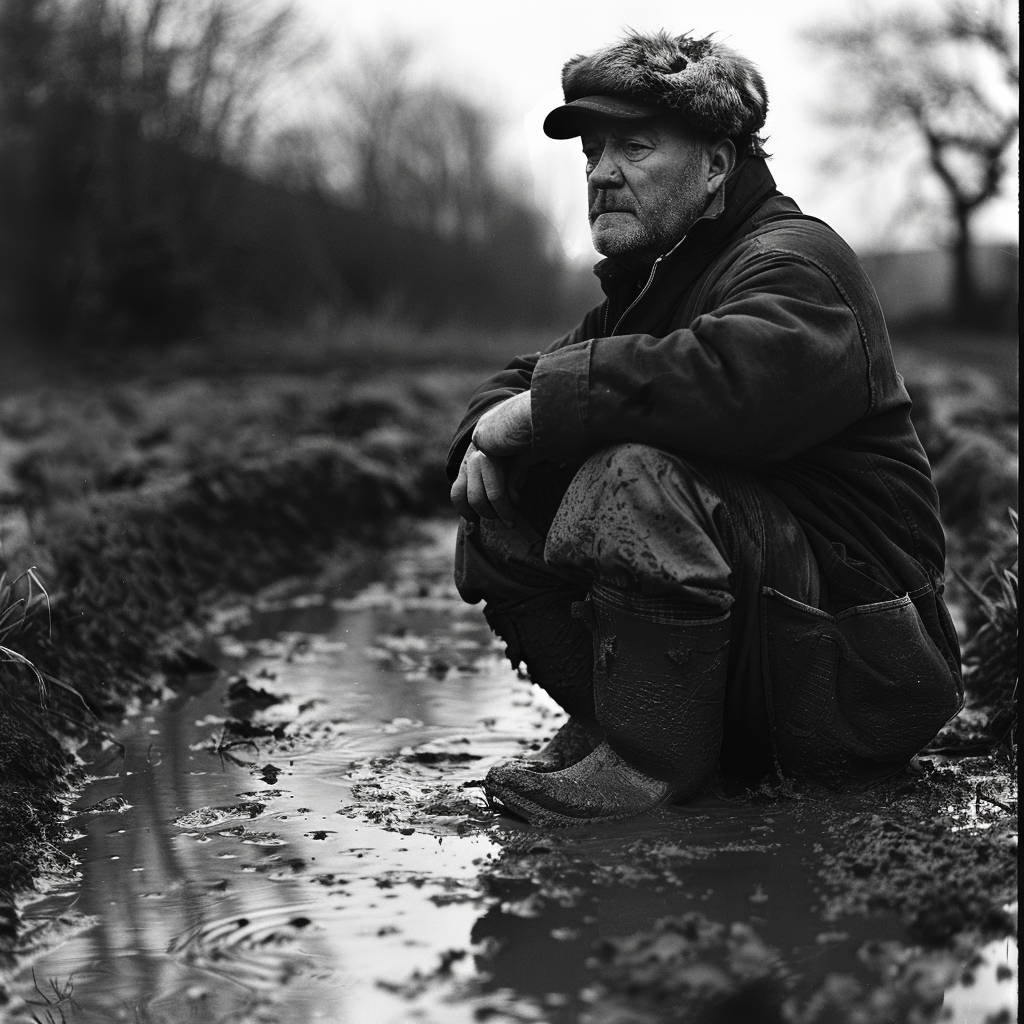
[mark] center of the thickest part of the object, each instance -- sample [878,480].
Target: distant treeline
[134,203]
[204,242]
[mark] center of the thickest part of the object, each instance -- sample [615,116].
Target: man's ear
[721,161]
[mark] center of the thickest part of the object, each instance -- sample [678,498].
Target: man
[703,518]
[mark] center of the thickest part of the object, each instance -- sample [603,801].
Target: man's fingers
[485,493]
[495,481]
[476,489]
[481,489]
[460,489]
[460,498]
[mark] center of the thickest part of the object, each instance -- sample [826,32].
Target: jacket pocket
[853,696]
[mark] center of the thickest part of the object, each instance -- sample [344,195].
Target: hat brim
[571,119]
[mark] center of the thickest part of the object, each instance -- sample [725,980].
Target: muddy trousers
[667,535]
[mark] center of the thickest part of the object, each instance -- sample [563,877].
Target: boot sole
[537,814]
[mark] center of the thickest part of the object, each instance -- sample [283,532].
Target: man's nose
[606,174]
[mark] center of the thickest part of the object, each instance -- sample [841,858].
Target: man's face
[647,182]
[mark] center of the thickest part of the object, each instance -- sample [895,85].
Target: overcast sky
[509,54]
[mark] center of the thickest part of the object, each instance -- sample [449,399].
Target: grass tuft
[991,670]
[15,613]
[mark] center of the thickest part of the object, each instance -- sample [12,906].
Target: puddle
[303,838]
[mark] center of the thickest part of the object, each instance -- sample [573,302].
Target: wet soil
[302,836]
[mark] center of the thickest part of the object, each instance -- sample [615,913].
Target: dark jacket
[757,341]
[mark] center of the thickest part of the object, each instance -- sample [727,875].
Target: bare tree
[372,96]
[413,153]
[943,85]
[197,73]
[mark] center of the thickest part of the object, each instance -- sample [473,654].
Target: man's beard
[653,230]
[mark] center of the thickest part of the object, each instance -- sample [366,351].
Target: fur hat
[712,87]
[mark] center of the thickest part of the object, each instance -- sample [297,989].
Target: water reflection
[348,871]
[268,908]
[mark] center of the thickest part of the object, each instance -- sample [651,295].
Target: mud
[301,835]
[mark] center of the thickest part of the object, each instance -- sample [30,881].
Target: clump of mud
[939,849]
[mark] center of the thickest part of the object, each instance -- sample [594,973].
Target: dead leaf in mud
[240,692]
[111,804]
[204,817]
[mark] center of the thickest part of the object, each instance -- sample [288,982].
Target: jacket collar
[749,185]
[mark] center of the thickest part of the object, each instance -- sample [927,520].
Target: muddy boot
[659,686]
[557,648]
[573,742]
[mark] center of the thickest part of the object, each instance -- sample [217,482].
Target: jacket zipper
[643,291]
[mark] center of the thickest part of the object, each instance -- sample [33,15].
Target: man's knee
[620,460]
[636,478]
[639,518]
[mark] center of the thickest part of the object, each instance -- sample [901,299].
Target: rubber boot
[659,688]
[557,648]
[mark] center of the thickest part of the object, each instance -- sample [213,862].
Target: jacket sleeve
[778,365]
[514,379]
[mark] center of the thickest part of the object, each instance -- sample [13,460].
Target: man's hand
[488,477]
[481,490]
[507,429]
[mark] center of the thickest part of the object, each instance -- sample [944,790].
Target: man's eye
[635,150]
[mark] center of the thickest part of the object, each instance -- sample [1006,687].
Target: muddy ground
[224,483]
